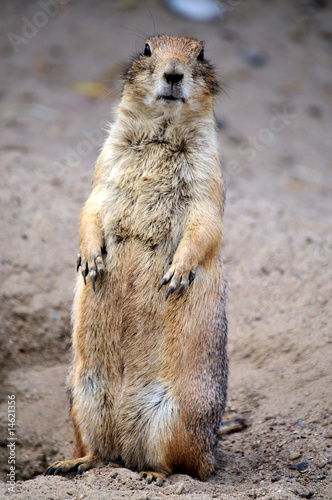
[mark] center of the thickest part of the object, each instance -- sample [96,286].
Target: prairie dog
[149,376]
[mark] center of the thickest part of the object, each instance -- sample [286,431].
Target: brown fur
[149,376]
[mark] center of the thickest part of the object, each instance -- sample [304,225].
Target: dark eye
[147,50]
[201,56]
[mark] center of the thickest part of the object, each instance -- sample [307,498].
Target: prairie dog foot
[150,476]
[234,425]
[78,465]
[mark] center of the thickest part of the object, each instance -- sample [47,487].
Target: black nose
[173,77]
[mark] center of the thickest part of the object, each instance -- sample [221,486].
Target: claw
[101,275]
[169,291]
[78,262]
[93,279]
[191,277]
[164,281]
[159,477]
[99,265]
[168,276]
[53,471]
[80,469]
[184,283]
[159,481]
[85,272]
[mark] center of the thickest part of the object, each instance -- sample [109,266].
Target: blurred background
[61,66]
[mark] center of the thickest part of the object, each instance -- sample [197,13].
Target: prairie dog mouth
[171,97]
[172,82]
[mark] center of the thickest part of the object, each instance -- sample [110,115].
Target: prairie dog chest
[149,189]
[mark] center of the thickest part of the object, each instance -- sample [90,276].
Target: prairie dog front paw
[91,263]
[180,275]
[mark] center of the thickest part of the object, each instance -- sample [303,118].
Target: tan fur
[149,376]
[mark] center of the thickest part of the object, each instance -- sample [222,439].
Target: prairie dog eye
[147,50]
[201,55]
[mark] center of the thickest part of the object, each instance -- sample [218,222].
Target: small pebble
[301,467]
[294,455]
[302,491]
[180,489]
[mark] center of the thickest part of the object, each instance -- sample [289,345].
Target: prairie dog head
[171,76]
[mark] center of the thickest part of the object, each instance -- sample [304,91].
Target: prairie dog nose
[173,77]
[173,71]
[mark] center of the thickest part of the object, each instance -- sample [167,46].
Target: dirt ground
[60,73]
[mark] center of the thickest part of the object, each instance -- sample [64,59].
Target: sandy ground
[59,81]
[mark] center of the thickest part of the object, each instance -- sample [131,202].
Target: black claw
[148,481]
[164,281]
[80,470]
[85,272]
[100,271]
[191,277]
[181,288]
[78,263]
[101,275]
[93,279]
[169,291]
[59,469]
